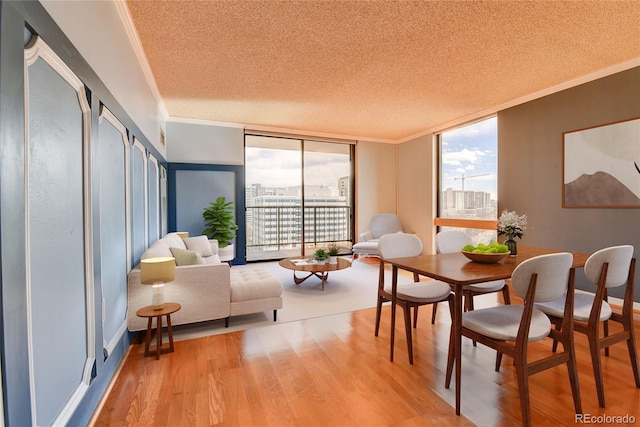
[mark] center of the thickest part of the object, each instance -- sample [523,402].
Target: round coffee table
[321,271]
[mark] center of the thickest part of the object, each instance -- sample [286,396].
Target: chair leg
[451,356]
[415,316]
[605,331]
[406,308]
[572,368]
[554,346]
[505,295]
[378,313]
[594,349]
[468,306]
[498,361]
[433,313]
[275,315]
[523,389]
[633,352]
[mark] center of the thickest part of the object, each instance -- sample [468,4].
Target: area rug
[351,289]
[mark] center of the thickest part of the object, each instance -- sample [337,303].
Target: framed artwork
[601,166]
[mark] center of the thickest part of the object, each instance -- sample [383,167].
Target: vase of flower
[512,225]
[512,245]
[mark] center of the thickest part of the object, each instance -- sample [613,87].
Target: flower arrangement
[511,224]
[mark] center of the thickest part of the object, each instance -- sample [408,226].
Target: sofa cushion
[199,244]
[213,259]
[250,285]
[158,249]
[186,257]
[173,240]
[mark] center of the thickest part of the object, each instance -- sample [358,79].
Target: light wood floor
[332,371]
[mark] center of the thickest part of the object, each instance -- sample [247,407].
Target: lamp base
[158,296]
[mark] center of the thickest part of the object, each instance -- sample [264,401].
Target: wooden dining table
[458,271]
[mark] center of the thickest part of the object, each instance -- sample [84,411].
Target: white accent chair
[509,328]
[450,241]
[606,268]
[410,295]
[381,224]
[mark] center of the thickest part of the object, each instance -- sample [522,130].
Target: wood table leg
[170,333]
[158,336]
[147,341]
[320,275]
[457,306]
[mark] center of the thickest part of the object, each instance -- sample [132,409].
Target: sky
[281,168]
[470,151]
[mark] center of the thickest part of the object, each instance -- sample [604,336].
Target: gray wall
[530,180]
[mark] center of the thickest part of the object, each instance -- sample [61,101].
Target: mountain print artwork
[602,166]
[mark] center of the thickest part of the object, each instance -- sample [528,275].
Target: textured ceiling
[380,70]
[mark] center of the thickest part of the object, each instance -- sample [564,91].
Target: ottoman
[253,291]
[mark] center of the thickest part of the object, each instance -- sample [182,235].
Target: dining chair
[607,268]
[509,328]
[409,295]
[449,241]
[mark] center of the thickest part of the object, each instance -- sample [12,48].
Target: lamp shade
[157,270]
[183,234]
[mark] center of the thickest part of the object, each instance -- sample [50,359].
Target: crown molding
[204,122]
[335,136]
[134,39]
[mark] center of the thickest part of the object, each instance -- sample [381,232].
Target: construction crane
[462,178]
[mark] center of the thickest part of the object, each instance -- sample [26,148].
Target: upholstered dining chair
[606,268]
[410,295]
[449,241]
[509,328]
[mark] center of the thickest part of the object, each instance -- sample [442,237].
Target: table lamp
[157,272]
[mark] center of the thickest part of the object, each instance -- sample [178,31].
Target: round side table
[167,309]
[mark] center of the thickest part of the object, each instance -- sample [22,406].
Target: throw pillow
[199,244]
[158,249]
[186,257]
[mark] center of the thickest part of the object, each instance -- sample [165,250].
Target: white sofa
[207,291]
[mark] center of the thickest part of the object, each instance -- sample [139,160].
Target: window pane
[273,201]
[468,175]
[327,170]
[468,171]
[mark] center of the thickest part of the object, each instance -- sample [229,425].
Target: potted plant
[321,256]
[220,225]
[333,251]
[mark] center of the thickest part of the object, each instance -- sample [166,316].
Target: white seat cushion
[486,287]
[582,303]
[502,322]
[369,247]
[422,292]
